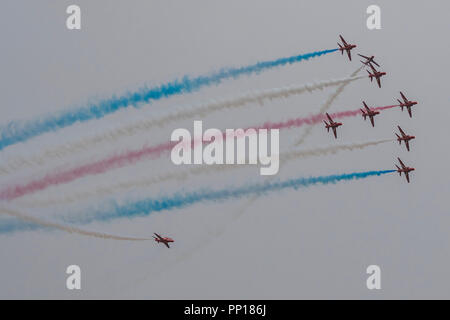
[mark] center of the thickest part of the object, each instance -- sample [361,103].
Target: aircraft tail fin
[364,115]
[398,139]
[340,48]
[399,172]
[370,75]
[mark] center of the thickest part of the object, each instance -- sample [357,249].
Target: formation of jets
[369,61]
[367,112]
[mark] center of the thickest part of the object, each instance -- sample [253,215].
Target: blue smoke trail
[15,225]
[179,200]
[16,132]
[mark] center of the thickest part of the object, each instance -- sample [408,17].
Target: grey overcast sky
[308,243]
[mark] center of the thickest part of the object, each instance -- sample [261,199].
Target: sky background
[308,243]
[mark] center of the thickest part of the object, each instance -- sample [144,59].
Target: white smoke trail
[237,214]
[28,218]
[250,97]
[186,254]
[141,126]
[240,213]
[182,175]
[331,150]
[326,106]
[308,129]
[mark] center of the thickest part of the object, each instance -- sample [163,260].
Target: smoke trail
[113,135]
[330,150]
[316,119]
[308,130]
[130,157]
[180,256]
[327,105]
[43,223]
[16,132]
[180,176]
[179,200]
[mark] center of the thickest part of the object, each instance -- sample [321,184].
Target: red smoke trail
[317,118]
[130,157]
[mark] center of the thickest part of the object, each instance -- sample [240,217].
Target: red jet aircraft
[404,169]
[164,240]
[375,74]
[369,113]
[404,137]
[369,60]
[347,47]
[406,103]
[333,125]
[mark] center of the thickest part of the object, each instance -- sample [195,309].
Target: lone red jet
[404,137]
[406,103]
[369,60]
[369,113]
[404,169]
[347,47]
[375,74]
[164,240]
[333,125]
